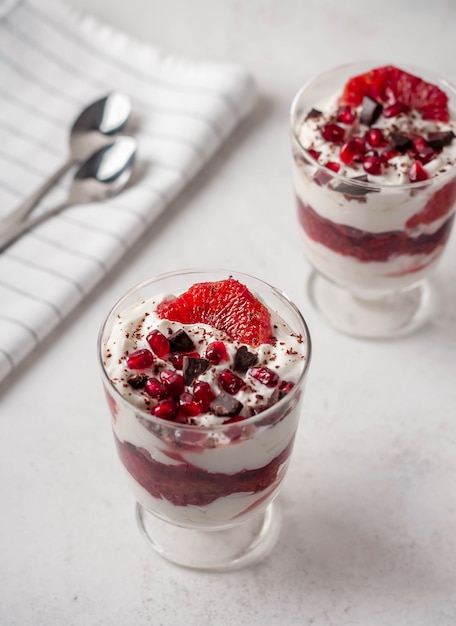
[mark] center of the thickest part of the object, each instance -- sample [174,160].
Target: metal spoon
[102,176]
[92,129]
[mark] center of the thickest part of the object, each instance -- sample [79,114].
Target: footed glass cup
[372,245]
[205,496]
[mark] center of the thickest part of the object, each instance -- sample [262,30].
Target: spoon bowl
[93,129]
[103,175]
[97,124]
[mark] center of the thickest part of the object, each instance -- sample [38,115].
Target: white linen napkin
[53,62]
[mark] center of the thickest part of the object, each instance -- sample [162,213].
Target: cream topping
[285,357]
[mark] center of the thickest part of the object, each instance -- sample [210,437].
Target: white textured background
[369,536]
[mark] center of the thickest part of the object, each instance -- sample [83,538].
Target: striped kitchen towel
[53,62]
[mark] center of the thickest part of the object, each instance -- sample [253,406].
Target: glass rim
[213,427]
[427,75]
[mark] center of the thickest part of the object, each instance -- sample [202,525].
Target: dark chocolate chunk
[181,342]
[312,114]
[440,139]
[322,177]
[138,381]
[350,189]
[400,142]
[192,367]
[370,111]
[225,405]
[275,397]
[243,359]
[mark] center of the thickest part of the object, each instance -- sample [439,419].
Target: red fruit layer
[437,206]
[226,305]
[390,84]
[368,247]
[184,484]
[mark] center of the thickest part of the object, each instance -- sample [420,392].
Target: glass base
[214,550]
[369,316]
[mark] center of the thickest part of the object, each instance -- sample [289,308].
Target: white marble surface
[370,498]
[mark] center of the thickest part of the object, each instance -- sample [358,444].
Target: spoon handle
[17,230]
[30,203]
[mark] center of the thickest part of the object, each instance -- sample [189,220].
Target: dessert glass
[205,495]
[370,254]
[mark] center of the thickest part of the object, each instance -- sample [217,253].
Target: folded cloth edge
[240,90]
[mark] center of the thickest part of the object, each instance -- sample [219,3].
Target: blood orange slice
[389,84]
[226,305]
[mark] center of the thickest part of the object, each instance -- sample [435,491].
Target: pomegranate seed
[216,352]
[419,143]
[140,360]
[203,394]
[352,150]
[285,387]
[333,165]
[166,409]
[173,382]
[417,173]
[231,432]
[374,137]
[264,375]
[155,389]
[188,405]
[373,165]
[333,133]
[230,382]
[181,418]
[177,359]
[158,343]
[423,150]
[395,109]
[426,154]
[345,115]
[388,155]
[314,154]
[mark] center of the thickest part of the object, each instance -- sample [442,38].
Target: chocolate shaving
[243,359]
[225,405]
[181,342]
[138,381]
[313,114]
[440,139]
[370,111]
[400,142]
[354,189]
[192,367]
